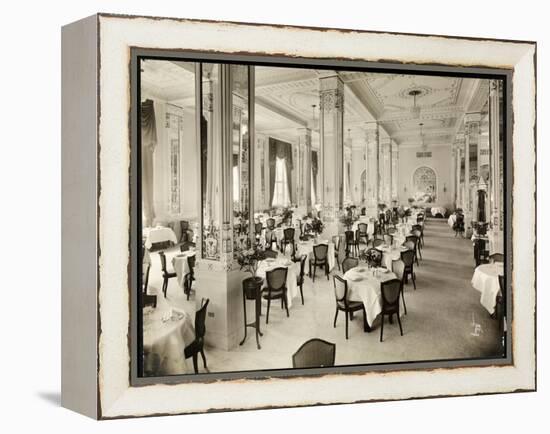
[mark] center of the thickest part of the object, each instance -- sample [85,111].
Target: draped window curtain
[314,171]
[148,144]
[282,150]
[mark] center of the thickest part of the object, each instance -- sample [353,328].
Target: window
[281,196]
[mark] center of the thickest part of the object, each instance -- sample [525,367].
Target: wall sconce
[444,188]
[405,188]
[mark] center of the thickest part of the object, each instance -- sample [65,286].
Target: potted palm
[249,261]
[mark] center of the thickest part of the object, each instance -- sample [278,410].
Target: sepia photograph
[295,217]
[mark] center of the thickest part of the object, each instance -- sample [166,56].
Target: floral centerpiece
[347,220]
[249,261]
[371,256]
[317,226]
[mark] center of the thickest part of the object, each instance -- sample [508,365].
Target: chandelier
[424,145]
[415,110]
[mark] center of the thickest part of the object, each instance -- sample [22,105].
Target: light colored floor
[438,325]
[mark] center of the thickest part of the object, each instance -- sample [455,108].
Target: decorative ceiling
[287,99]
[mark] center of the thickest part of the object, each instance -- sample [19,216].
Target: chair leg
[414,280]
[335,317]
[403,298]
[165,286]
[286,304]
[399,322]
[268,306]
[314,271]
[203,359]
[302,293]
[195,364]
[347,322]
[326,270]
[382,329]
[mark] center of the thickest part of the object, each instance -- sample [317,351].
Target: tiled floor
[438,324]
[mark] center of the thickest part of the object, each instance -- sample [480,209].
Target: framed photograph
[261,216]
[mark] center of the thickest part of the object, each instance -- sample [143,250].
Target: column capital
[331,93]
[472,118]
[494,87]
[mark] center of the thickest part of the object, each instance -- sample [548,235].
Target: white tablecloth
[291,277]
[438,210]
[367,290]
[306,248]
[390,254]
[164,341]
[451,220]
[181,267]
[485,280]
[158,234]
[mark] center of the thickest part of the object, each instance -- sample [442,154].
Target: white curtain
[281,194]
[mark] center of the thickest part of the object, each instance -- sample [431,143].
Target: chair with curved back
[258,230]
[186,233]
[288,238]
[300,278]
[320,259]
[398,268]
[421,229]
[270,232]
[458,225]
[166,275]
[408,260]
[352,245]
[362,233]
[147,299]
[349,263]
[190,276]
[496,257]
[414,240]
[276,288]
[314,353]
[418,234]
[197,346]
[391,289]
[344,304]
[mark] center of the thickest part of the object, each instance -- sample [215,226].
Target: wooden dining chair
[496,257]
[343,304]
[314,353]
[197,346]
[258,230]
[288,238]
[166,275]
[186,233]
[398,268]
[391,289]
[352,245]
[190,276]
[408,260]
[362,233]
[276,288]
[147,299]
[186,246]
[414,240]
[320,259]
[300,277]
[421,229]
[349,263]
[418,234]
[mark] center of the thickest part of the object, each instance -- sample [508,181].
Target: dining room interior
[304,217]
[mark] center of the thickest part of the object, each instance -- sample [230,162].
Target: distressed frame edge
[530,386]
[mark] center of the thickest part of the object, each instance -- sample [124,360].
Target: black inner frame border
[135,276]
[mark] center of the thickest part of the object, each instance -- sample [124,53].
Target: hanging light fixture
[314,125]
[424,146]
[415,110]
[350,140]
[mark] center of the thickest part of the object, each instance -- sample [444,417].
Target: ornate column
[497,223]
[459,183]
[385,171]
[394,170]
[373,172]
[471,133]
[331,137]
[304,140]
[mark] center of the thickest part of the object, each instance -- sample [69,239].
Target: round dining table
[365,285]
[166,333]
[485,280]
[306,248]
[181,265]
[291,277]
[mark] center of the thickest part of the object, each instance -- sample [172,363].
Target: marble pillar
[372,167]
[495,179]
[331,135]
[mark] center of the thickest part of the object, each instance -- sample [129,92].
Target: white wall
[440,162]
